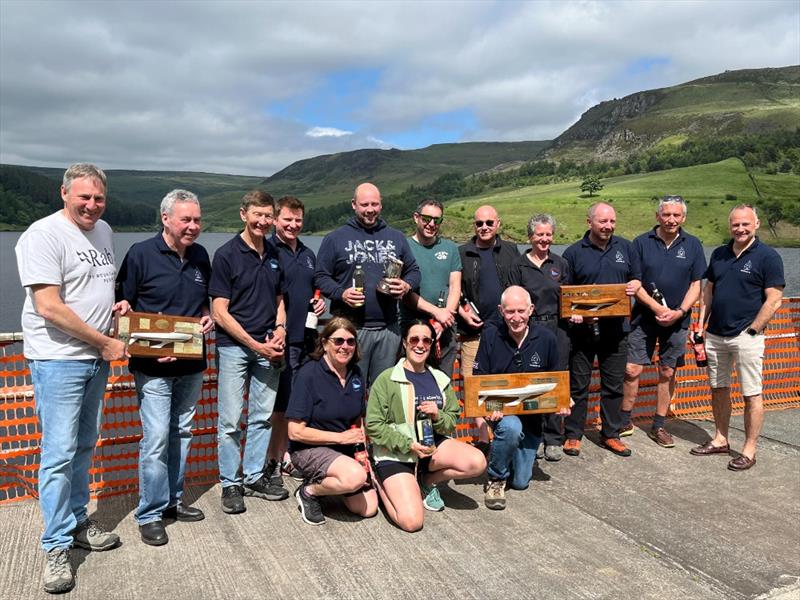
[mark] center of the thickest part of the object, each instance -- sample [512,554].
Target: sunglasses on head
[428,218]
[338,341]
[415,339]
[488,223]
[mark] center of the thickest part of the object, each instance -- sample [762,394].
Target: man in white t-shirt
[66,265]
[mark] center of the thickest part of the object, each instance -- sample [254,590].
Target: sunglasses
[488,223]
[415,339]
[428,218]
[338,341]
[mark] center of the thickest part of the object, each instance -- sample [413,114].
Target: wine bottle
[657,295]
[311,316]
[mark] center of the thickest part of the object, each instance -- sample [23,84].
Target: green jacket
[390,413]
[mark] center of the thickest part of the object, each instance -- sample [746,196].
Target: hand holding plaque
[392,269]
[155,335]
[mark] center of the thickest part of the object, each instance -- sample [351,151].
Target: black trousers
[611,351]
[553,424]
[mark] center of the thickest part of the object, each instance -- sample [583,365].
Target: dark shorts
[386,468]
[671,345]
[314,462]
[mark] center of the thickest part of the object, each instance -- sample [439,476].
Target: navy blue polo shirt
[542,283]
[672,269]
[498,352]
[153,279]
[298,285]
[739,285]
[617,263]
[491,288]
[322,403]
[250,283]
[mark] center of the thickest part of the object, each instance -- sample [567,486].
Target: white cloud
[193,85]
[316,132]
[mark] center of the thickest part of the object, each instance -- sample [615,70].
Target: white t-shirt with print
[55,251]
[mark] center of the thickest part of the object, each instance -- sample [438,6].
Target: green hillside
[710,191]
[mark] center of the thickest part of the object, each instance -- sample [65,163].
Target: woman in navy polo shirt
[398,394]
[327,398]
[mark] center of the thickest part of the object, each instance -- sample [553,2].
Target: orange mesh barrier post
[115,467]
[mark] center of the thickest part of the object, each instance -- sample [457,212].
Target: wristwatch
[751,331]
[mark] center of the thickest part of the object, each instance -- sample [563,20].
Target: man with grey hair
[66,265]
[743,290]
[168,274]
[515,345]
[672,264]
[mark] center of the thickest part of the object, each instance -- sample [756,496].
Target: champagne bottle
[311,316]
[658,296]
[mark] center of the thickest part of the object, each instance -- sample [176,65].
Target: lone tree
[591,184]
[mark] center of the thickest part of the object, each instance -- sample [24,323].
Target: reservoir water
[12,296]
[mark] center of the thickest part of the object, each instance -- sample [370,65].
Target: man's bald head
[367,204]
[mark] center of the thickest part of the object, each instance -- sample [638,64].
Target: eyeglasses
[488,223]
[338,341]
[428,218]
[415,339]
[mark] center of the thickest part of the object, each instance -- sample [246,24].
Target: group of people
[379,372]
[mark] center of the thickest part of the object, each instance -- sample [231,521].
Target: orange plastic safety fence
[115,466]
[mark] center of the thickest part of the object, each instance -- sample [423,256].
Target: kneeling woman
[327,398]
[397,395]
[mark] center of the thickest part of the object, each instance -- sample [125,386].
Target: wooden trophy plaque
[516,393]
[154,335]
[601,300]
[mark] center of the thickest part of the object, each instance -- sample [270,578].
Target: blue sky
[250,87]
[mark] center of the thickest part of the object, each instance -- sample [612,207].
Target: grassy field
[704,187]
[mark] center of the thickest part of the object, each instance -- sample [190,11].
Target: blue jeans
[237,365]
[513,452]
[166,407]
[69,396]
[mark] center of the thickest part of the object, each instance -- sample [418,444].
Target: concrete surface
[661,524]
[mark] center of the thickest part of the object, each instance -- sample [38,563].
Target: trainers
[232,501]
[615,446]
[267,488]
[553,453]
[274,474]
[58,577]
[626,430]
[572,447]
[288,469]
[540,451]
[495,496]
[431,498]
[661,437]
[89,535]
[309,507]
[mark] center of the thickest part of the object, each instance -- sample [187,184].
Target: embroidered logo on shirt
[442,255]
[536,361]
[555,274]
[309,262]
[198,276]
[620,257]
[356,384]
[681,253]
[747,267]
[273,263]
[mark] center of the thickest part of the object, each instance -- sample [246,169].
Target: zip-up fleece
[391,412]
[352,244]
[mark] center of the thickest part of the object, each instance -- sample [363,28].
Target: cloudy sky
[250,87]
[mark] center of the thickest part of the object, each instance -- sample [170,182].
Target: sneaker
[89,535]
[661,437]
[288,469]
[615,446]
[553,453]
[431,499]
[274,473]
[626,430]
[232,501]
[540,451]
[572,447]
[58,577]
[267,488]
[309,507]
[495,496]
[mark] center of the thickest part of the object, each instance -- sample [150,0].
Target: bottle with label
[469,306]
[311,317]
[424,426]
[358,281]
[360,453]
[440,302]
[657,295]
[699,346]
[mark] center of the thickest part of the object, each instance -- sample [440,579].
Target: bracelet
[280,325]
